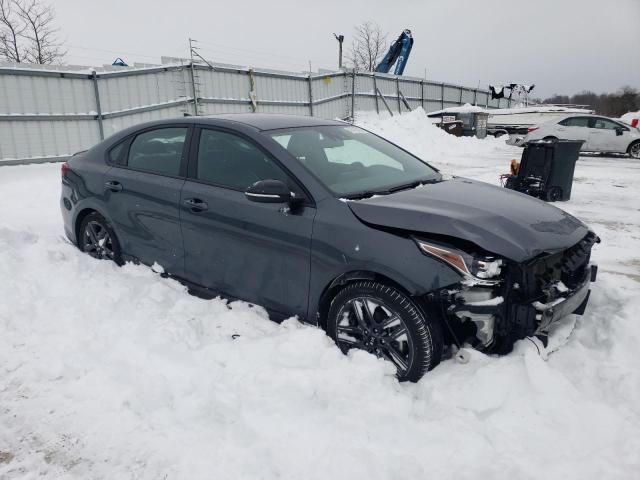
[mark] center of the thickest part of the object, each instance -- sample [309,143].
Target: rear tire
[634,150]
[97,238]
[382,320]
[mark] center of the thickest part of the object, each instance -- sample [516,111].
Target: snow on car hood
[501,221]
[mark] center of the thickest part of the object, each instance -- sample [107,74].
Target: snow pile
[466,108]
[630,117]
[112,372]
[416,132]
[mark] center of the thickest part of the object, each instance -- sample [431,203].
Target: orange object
[515,167]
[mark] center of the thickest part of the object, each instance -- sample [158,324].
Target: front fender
[342,247]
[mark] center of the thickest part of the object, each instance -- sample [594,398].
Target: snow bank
[466,108]
[112,372]
[415,132]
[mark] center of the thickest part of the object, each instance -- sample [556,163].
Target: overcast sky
[563,46]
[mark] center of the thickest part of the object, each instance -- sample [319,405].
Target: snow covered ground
[109,373]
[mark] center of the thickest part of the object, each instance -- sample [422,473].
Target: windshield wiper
[361,195]
[411,185]
[387,191]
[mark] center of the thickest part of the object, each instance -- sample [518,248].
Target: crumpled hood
[501,221]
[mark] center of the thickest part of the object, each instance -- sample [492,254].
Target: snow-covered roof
[466,108]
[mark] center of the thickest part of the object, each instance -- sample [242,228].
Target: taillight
[634,122]
[532,129]
[64,168]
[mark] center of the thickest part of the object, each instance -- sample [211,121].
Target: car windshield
[354,163]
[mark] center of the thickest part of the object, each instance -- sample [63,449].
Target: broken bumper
[537,316]
[575,302]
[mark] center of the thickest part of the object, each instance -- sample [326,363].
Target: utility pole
[193,78]
[340,39]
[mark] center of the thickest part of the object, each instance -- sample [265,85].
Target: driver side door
[608,136]
[257,252]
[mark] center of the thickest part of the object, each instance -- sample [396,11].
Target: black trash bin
[546,169]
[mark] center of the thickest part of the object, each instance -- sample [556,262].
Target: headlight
[481,267]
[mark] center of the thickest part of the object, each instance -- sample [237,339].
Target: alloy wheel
[634,151]
[368,324]
[97,242]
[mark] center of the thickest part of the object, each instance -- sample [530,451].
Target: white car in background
[600,134]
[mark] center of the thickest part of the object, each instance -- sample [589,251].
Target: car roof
[257,121]
[267,121]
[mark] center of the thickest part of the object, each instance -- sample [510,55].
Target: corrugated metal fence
[47,115]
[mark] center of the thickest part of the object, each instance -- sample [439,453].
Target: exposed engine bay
[499,302]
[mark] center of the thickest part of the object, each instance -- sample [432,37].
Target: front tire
[634,150]
[382,320]
[98,239]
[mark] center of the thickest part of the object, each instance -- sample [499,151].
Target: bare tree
[44,46]
[11,30]
[626,99]
[368,47]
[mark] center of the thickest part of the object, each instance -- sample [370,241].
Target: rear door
[258,252]
[575,128]
[608,136]
[142,194]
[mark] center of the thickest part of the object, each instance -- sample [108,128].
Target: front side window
[604,124]
[158,151]
[117,153]
[350,161]
[230,161]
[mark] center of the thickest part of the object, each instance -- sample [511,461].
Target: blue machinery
[398,53]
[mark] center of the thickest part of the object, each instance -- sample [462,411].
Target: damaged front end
[498,301]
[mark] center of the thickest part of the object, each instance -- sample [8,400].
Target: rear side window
[158,151]
[576,122]
[230,161]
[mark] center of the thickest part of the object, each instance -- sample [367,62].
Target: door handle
[113,186]
[196,205]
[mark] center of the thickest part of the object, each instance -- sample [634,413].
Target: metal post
[253,95]
[375,89]
[475,97]
[96,92]
[422,94]
[340,39]
[193,79]
[398,94]
[193,87]
[486,101]
[353,95]
[310,95]
[460,101]
[378,92]
[442,96]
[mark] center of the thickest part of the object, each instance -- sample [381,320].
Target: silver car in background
[600,134]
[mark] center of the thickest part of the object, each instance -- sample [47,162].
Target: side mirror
[619,131]
[269,191]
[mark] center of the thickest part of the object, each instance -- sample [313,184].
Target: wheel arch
[81,215]
[334,286]
[634,142]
